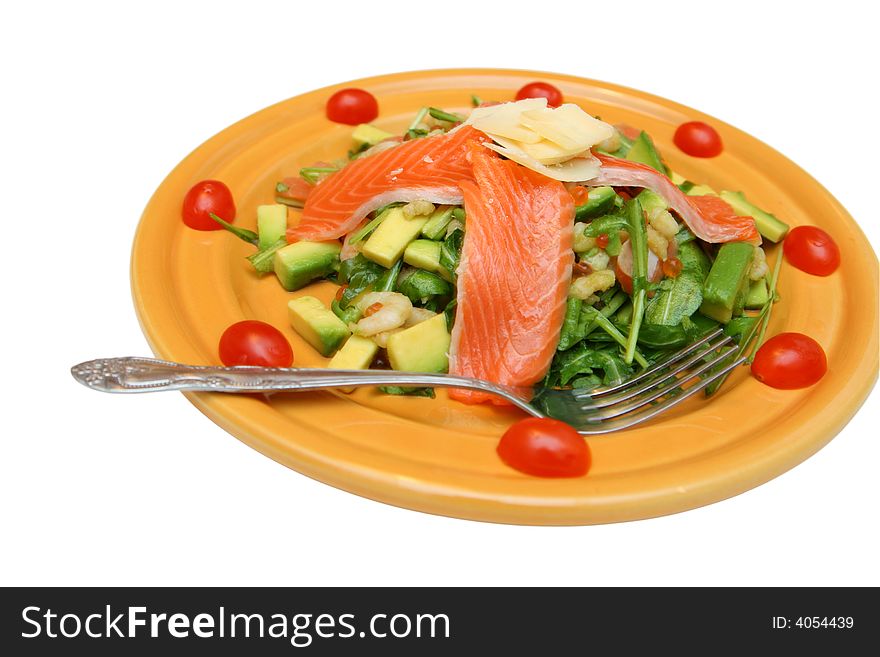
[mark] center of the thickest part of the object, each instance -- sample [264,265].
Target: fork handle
[131,375]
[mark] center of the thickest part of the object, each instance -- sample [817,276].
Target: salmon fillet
[429,169]
[513,276]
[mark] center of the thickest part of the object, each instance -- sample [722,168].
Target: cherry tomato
[545,448]
[812,250]
[789,361]
[252,342]
[352,106]
[541,90]
[698,139]
[205,198]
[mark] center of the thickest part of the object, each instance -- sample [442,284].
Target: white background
[101,101]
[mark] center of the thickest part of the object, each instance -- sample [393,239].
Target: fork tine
[665,388]
[594,427]
[629,393]
[674,358]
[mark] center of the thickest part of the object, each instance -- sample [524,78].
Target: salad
[525,242]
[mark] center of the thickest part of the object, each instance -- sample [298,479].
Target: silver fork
[651,392]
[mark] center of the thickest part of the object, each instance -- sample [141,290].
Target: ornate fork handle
[150,375]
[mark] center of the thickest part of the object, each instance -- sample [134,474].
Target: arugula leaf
[422,285]
[410,392]
[359,273]
[583,359]
[676,299]
[264,260]
[450,251]
[569,334]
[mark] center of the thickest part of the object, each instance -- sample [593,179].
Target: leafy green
[360,274]
[694,261]
[347,315]
[585,360]
[450,251]
[569,334]
[676,299]
[264,260]
[420,286]
[410,392]
[442,115]
[243,234]
[638,238]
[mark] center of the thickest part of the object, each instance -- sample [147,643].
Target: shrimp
[394,309]
[418,315]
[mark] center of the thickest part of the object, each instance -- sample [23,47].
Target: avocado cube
[271,224]
[644,152]
[600,200]
[421,348]
[297,264]
[652,202]
[758,294]
[356,354]
[388,241]
[369,135]
[425,254]
[768,225]
[316,324]
[727,281]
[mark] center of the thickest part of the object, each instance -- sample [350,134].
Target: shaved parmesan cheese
[577,169]
[555,142]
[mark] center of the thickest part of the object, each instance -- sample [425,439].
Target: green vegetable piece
[356,354]
[271,224]
[569,334]
[652,202]
[450,252]
[442,115]
[369,135]
[290,202]
[740,326]
[644,151]
[726,280]
[435,228]
[694,261]
[316,324]
[768,225]
[410,392]
[297,264]
[600,200]
[639,240]
[348,315]
[421,285]
[421,348]
[314,174]
[758,294]
[387,243]
[676,299]
[264,260]
[368,228]
[425,254]
[243,234]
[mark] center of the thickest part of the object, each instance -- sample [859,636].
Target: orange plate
[437,455]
